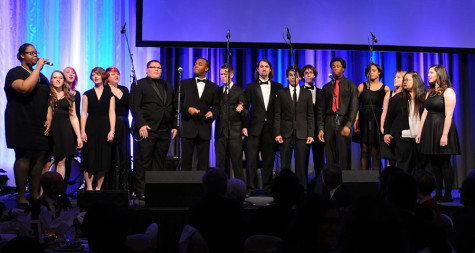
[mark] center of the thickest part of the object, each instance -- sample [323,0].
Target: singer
[338,115]
[371,97]
[151,104]
[199,108]
[27,92]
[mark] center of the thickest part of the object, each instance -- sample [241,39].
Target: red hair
[75,77]
[111,69]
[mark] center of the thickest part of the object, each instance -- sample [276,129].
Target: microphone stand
[226,96]
[371,107]
[294,66]
[178,150]
[134,78]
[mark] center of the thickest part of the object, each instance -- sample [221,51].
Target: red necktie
[336,96]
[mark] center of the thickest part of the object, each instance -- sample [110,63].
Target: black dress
[434,127]
[370,111]
[118,176]
[388,152]
[25,114]
[77,101]
[96,154]
[64,142]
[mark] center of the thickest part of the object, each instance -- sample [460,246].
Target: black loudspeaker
[173,188]
[87,199]
[362,182]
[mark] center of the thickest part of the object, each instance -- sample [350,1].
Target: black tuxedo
[151,105]
[196,129]
[260,131]
[318,147]
[397,120]
[228,131]
[295,125]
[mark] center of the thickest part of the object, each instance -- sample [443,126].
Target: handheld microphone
[288,33]
[331,76]
[180,69]
[374,39]
[228,35]
[49,63]
[123,28]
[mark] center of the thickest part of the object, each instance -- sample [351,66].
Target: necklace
[29,71]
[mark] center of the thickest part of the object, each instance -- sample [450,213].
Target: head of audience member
[215,182]
[105,226]
[332,175]
[292,77]
[114,76]
[201,67]
[471,174]
[309,73]
[438,77]
[236,190]
[71,77]
[53,184]
[374,70]
[225,68]
[425,183]
[264,70]
[384,177]
[371,225]
[338,66]
[286,189]
[467,194]
[402,191]
[98,75]
[154,69]
[316,225]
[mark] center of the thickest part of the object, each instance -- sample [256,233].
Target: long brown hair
[419,92]
[442,80]
[53,95]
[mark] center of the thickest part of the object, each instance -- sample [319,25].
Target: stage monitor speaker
[362,182]
[173,188]
[87,199]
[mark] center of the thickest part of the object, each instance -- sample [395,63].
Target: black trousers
[337,147]
[300,150]
[318,151]
[188,147]
[226,149]
[407,156]
[268,146]
[150,154]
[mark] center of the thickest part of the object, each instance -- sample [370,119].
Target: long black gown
[96,154]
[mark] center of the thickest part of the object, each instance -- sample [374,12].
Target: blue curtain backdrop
[85,34]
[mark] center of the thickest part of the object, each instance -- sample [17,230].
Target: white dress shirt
[291,88]
[201,86]
[265,88]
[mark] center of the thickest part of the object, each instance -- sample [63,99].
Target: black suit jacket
[194,125]
[397,116]
[258,115]
[284,114]
[148,108]
[234,120]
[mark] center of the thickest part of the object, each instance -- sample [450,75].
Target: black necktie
[200,80]
[295,105]
[309,87]
[162,91]
[266,82]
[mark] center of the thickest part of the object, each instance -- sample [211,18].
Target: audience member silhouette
[426,185]
[236,190]
[384,177]
[274,219]
[217,218]
[464,240]
[334,189]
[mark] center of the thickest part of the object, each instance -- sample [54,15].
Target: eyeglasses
[407,80]
[155,67]
[308,72]
[32,53]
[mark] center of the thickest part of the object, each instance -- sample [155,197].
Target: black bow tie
[200,80]
[266,82]
[309,87]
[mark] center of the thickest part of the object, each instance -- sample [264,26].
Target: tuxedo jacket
[258,115]
[284,114]
[228,117]
[198,125]
[397,116]
[150,108]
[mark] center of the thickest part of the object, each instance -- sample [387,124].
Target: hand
[443,141]
[239,107]
[79,141]
[110,136]
[321,135]
[357,126]
[244,132]
[209,114]
[387,139]
[174,132]
[193,111]
[143,131]
[346,131]
[48,127]
[41,62]
[310,140]
[84,136]
[418,139]
[279,139]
